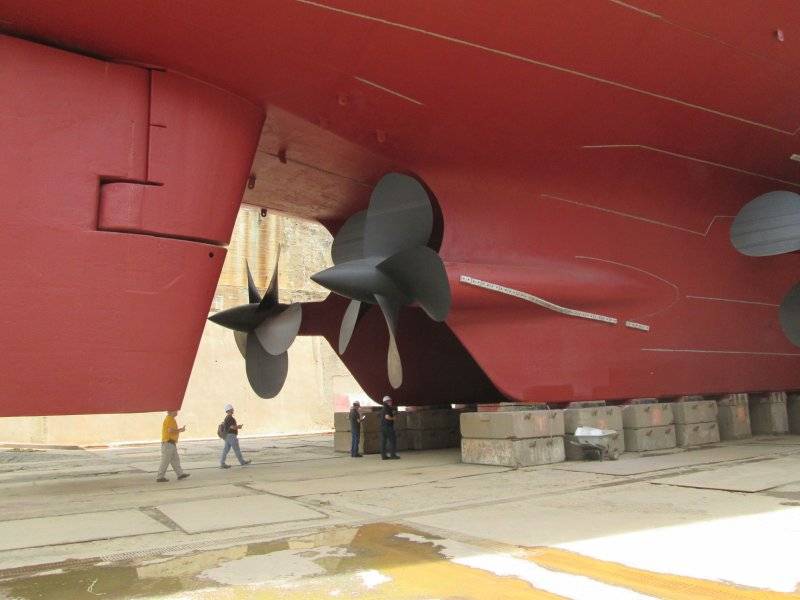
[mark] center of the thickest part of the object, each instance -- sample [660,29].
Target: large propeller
[381,257]
[769,225]
[264,329]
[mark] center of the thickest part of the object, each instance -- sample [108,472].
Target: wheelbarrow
[596,443]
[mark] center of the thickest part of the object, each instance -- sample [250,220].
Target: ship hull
[586,158]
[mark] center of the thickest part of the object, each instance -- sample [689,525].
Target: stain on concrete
[380,560]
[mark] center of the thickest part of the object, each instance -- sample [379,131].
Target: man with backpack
[228,430]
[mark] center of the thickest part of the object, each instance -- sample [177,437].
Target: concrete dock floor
[301,521]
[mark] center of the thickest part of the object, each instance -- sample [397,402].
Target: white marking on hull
[691,158]
[637,217]
[387,90]
[540,63]
[695,351]
[669,283]
[635,325]
[570,312]
[732,300]
[636,8]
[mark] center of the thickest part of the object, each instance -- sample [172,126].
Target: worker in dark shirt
[355,429]
[231,429]
[388,434]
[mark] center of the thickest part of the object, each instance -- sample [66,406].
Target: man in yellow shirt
[169,447]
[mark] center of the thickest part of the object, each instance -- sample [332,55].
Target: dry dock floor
[301,521]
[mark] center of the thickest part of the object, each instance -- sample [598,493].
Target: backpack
[221,430]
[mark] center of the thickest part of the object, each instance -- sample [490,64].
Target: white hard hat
[385,398]
[228,407]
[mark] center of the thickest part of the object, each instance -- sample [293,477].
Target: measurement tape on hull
[570,312]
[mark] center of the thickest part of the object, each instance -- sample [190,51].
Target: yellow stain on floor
[350,560]
[415,571]
[659,585]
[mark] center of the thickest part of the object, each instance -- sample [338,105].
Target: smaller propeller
[264,329]
[768,225]
[381,257]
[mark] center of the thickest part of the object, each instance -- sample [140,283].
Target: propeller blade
[351,317]
[241,342]
[420,274]
[271,295]
[391,312]
[348,244]
[789,315]
[399,216]
[393,364]
[265,372]
[276,333]
[253,295]
[238,318]
[768,225]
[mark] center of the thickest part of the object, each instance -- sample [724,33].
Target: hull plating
[592,156]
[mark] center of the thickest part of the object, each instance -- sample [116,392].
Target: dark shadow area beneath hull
[437,369]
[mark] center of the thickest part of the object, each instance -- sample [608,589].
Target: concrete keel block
[372,422]
[370,442]
[512,424]
[635,416]
[650,438]
[402,440]
[694,411]
[400,420]
[513,453]
[432,419]
[793,412]
[768,413]
[341,442]
[696,434]
[432,439]
[341,421]
[734,417]
[601,417]
[573,451]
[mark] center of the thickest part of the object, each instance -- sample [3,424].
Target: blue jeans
[356,438]
[231,441]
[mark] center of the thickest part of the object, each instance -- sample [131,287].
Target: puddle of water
[374,561]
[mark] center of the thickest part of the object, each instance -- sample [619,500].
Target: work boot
[183,475]
[224,466]
[162,479]
[356,455]
[247,462]
[394,457]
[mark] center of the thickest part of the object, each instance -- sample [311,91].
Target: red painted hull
[592,155]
